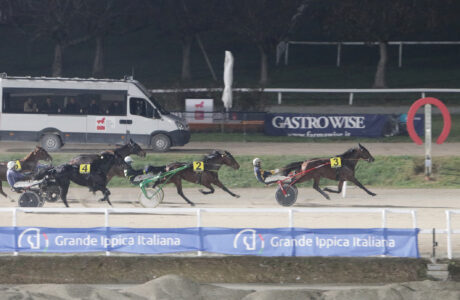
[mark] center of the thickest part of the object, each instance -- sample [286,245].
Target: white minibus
[56,111]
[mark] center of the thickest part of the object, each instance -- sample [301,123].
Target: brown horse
[209,176]
[117,169]
[28,164]
[321,167]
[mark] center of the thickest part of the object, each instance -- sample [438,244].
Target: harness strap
[304,172]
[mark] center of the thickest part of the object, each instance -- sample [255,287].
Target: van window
[140,107]
[66,102]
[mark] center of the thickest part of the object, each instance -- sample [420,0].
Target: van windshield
[158,106]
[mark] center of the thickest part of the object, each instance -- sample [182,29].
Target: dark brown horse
[208,177]
[117,169]
[321,167]
[28,164]
[95,179]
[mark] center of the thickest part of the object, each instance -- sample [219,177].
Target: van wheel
[160,143]
[51,142]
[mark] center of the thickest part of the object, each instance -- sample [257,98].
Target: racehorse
[209,176]
[28,164]
[321,167]
[117,169]
[94,176]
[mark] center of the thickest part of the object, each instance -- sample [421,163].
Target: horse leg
[339,188]
[219,184]
[317,188]
[358,184]
[4,194]
[64,191]
[209,186]
[106,193]
[178,184]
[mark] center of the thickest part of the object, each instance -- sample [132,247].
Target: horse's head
[40,154]
[229,160]
[134,148]
[365,154]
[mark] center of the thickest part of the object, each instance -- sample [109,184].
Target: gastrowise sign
[337,125]
[235,241]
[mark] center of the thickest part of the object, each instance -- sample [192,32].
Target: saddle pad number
[85,168]
[198,166]
[336,162]
[18,165]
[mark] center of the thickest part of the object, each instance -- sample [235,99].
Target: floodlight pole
[428,133]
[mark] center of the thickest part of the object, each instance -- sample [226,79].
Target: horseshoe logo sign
[445,115]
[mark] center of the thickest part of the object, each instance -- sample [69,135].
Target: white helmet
[11,165]
[256,161]
[128,160]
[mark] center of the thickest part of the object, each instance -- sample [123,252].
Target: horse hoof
[236,196]
[192,204]
[373,194]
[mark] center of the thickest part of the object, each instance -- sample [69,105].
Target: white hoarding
[199,110]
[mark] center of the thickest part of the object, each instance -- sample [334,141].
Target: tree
[58,20]
[371,21]
[266,23]
[102,18]
[186,20]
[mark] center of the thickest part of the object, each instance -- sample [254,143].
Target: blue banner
[235,241]
[337,125]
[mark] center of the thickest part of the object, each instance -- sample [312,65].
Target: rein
[304,172]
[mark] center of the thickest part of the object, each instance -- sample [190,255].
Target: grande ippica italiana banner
[235,241]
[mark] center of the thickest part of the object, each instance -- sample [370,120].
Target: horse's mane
[29,155]
[348,152]
[213,154]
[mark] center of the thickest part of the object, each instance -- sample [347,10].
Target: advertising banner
[199,110]
[235,241]
[337,125]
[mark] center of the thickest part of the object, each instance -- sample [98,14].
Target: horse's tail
[155,169]
[291,167]
[41,173]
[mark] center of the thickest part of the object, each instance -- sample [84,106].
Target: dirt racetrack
[430,206]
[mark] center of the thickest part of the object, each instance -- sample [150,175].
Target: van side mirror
[156,114]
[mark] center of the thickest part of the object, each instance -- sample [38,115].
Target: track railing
[280,91]
[289,212]
[450,231]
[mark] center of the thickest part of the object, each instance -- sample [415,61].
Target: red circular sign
[445,115]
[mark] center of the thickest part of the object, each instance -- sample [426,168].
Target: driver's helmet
[11,165]
[256,162]
[128,160]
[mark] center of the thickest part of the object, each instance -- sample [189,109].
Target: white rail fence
[280,91]
[284,47]
[289,212]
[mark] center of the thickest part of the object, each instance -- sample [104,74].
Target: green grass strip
[386,171]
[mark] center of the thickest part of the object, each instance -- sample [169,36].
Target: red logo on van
[100,124]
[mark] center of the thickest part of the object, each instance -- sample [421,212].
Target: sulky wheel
[154,197]
[30,199]
[51,193]
[290,197]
